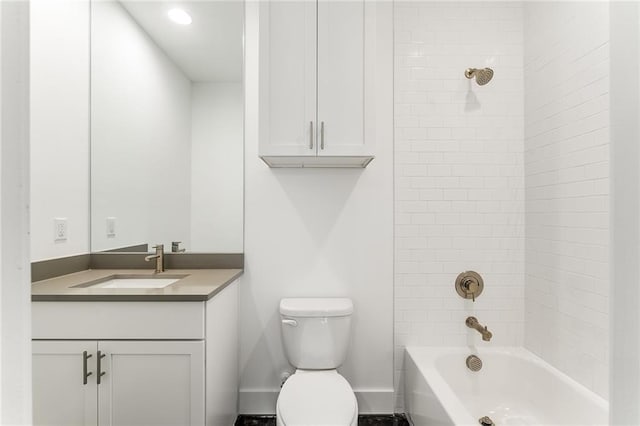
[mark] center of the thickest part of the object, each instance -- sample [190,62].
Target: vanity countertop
[197,285]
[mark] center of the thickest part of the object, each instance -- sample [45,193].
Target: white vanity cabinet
[141,383]
[321,68]
[147,363]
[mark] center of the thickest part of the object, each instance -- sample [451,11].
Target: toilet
[315,335]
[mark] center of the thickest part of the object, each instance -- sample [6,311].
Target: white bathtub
[514,387]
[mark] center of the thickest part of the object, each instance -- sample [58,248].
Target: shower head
[482,75]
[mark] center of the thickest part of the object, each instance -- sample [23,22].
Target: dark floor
[363,420]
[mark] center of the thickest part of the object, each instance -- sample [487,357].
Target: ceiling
[210,49]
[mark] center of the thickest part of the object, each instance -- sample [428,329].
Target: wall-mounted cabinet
[319,82]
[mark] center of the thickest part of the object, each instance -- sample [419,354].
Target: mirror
[167,125]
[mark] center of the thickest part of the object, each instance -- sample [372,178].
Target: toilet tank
[315,331]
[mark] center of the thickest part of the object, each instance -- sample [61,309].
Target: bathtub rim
[424,358]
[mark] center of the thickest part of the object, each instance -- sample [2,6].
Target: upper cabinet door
[344,41]
[288,78]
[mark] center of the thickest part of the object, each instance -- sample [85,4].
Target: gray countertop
[197,285]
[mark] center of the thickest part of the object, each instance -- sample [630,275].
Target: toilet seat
[317,398]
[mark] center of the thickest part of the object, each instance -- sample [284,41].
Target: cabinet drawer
[117,320]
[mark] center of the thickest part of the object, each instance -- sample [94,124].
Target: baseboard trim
[396,419]
[263,401]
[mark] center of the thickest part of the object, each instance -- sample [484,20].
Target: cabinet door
[60,396]
[287,78]
[151,383]
[346,41]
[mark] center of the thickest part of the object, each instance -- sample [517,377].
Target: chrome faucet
[175,247]
[472,322]
[159,256]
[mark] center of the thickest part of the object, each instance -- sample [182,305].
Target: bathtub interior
[514,387]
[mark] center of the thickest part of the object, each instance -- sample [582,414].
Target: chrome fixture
[469,285]
[482,75]
[175,247]
[474,363]
[486,421]
[472,322]
[159,256]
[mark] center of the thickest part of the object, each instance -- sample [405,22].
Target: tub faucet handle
[469,284]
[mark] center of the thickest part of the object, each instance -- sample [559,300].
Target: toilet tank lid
[316,307]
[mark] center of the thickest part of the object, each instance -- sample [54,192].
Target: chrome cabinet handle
[322,135]
[311,135]
[85,374]
[100,373]
[291,322]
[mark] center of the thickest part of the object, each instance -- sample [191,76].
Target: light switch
[111,227]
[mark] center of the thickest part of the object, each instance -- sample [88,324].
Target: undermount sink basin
[137,283]
[133,281]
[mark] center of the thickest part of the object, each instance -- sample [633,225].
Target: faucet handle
[175,247]
[469,284]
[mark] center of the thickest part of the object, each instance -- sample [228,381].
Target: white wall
[216,167]
[315,232]
[567,187]
[15,292]
[459,189]
[141,131]
[59,126]
[625,213]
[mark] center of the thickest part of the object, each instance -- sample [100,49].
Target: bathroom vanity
[146,118]
[125,356]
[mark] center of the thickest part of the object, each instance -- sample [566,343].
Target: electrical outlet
[111,227]
[60,229]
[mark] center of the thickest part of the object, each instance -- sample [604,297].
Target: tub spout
[472,322]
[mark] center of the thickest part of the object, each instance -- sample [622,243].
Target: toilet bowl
[315,335]
[314,398]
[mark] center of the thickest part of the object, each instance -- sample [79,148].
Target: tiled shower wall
[459,177]
[567,187]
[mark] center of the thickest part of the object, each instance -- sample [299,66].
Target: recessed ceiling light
[179,16]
